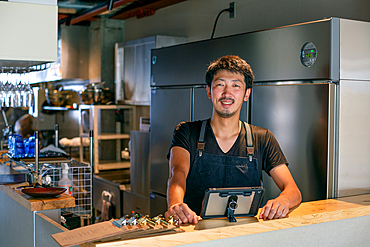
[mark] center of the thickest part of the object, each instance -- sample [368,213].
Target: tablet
[231,202]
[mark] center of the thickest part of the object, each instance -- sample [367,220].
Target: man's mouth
[226,101]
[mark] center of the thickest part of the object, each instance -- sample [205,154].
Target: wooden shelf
[109,136]
[95,118]
[112,136]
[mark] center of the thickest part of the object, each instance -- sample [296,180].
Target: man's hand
[274,209]
[183,213]
[289,197]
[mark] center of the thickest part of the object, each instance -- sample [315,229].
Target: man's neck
[225,128]
[226,131]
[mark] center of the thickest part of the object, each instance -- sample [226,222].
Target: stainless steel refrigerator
[312,90]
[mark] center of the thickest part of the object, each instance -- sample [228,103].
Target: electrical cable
[214,26]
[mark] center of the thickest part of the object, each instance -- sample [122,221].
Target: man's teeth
[227,103]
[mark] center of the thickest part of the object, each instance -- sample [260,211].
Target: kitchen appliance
[137,198]
[132,70]
[312,90]
[111,184]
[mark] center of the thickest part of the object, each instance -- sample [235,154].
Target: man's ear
[247,94]
[208,92]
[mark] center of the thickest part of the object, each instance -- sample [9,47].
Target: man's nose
[227,89]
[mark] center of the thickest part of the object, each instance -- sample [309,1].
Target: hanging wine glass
[2,87]
[17,90]
[23,98]
[28,94]
[8,87]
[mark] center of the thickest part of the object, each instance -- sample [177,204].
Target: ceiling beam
[98,11]
[148,8]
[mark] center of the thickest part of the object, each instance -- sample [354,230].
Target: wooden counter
[319,223]
[37,204]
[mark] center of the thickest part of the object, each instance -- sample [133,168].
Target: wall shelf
[59,108]
[112,136]
[96,114]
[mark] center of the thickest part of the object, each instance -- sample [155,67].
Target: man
[213,153]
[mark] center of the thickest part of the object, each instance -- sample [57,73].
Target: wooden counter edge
[17,197]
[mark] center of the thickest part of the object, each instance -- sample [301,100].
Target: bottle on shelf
[65,182]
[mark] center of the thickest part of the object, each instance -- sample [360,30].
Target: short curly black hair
[233,64]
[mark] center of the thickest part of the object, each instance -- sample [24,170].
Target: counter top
[36,204]
[306,214]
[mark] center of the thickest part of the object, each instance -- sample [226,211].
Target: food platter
[43,192]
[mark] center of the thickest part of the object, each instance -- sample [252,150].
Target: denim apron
[219,171]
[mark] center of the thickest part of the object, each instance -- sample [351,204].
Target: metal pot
[95,93]
[57,97]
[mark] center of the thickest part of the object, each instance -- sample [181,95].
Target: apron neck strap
[201,143]
[250,146]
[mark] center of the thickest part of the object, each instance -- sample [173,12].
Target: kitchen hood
[74,60]
[30,36]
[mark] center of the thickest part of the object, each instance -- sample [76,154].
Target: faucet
[35,176]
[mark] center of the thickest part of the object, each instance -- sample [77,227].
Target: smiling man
[213,152]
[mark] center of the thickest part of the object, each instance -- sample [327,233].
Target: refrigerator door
[168,108]
[297,115]
[202,105]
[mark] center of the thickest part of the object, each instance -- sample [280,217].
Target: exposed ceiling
[71,12]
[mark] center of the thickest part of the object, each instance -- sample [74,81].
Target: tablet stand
[230,208]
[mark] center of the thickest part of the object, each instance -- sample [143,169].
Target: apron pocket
[243,175]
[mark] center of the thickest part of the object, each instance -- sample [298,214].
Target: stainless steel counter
[10,176]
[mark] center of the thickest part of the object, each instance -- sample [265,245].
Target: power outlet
[232,10]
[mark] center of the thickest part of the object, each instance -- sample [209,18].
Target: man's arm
[289,197]
[179,169]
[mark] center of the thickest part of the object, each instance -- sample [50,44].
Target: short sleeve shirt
[266,148]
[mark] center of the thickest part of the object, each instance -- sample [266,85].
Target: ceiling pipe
[110,5]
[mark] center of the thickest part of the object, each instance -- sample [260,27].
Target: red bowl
[43,192]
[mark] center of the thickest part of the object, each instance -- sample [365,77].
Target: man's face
[228,93]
